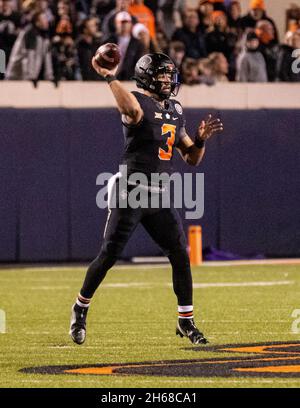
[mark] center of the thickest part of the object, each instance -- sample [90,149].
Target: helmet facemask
[160,85]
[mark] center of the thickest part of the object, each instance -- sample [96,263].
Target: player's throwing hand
[103,71]
[208,127]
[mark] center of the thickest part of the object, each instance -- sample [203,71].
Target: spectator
[257,13]
[293,25]
[191,36]
[108,25]
[218,67]
[44,7]
[28,9]
[287,55]
[220,39]
[131,49]
[67,7]
[205,11]
[190,72]
[9,26]
[65,59]
[64,25]
[206,72]
[65,20]
[143,15]
[293,17]
[177,53]
[197,72]
[169,15]
[251,66]
[31,57]
[268,47]
[234,17]
[87,45]
[141,33]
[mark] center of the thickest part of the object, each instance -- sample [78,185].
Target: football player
[153,125]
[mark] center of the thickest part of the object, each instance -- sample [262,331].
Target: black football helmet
[147,70]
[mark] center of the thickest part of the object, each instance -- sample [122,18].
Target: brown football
[108,56]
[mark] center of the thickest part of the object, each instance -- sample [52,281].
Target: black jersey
[149,145]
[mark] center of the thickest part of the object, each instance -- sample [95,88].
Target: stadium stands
[50,157]
[54,40]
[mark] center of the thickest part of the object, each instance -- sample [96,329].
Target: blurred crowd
[56,39]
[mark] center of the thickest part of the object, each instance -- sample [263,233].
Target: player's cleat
[78,324]
[187,328]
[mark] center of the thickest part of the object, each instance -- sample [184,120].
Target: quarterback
[153,126]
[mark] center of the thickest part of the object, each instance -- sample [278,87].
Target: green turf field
[133,317]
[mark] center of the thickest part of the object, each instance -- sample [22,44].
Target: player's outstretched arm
[193,152]
[127,103]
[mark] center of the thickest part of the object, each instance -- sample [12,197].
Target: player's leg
[120,226]
[165,227]
[121,223]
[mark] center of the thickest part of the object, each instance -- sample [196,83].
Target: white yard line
[199,285]
[254,262]
[49,288]
[147,285]
[240,284]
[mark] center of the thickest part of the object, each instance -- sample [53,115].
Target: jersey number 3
[166,128]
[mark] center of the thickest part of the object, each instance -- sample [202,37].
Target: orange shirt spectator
[144,15]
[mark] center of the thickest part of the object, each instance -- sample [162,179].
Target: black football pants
[164,226]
